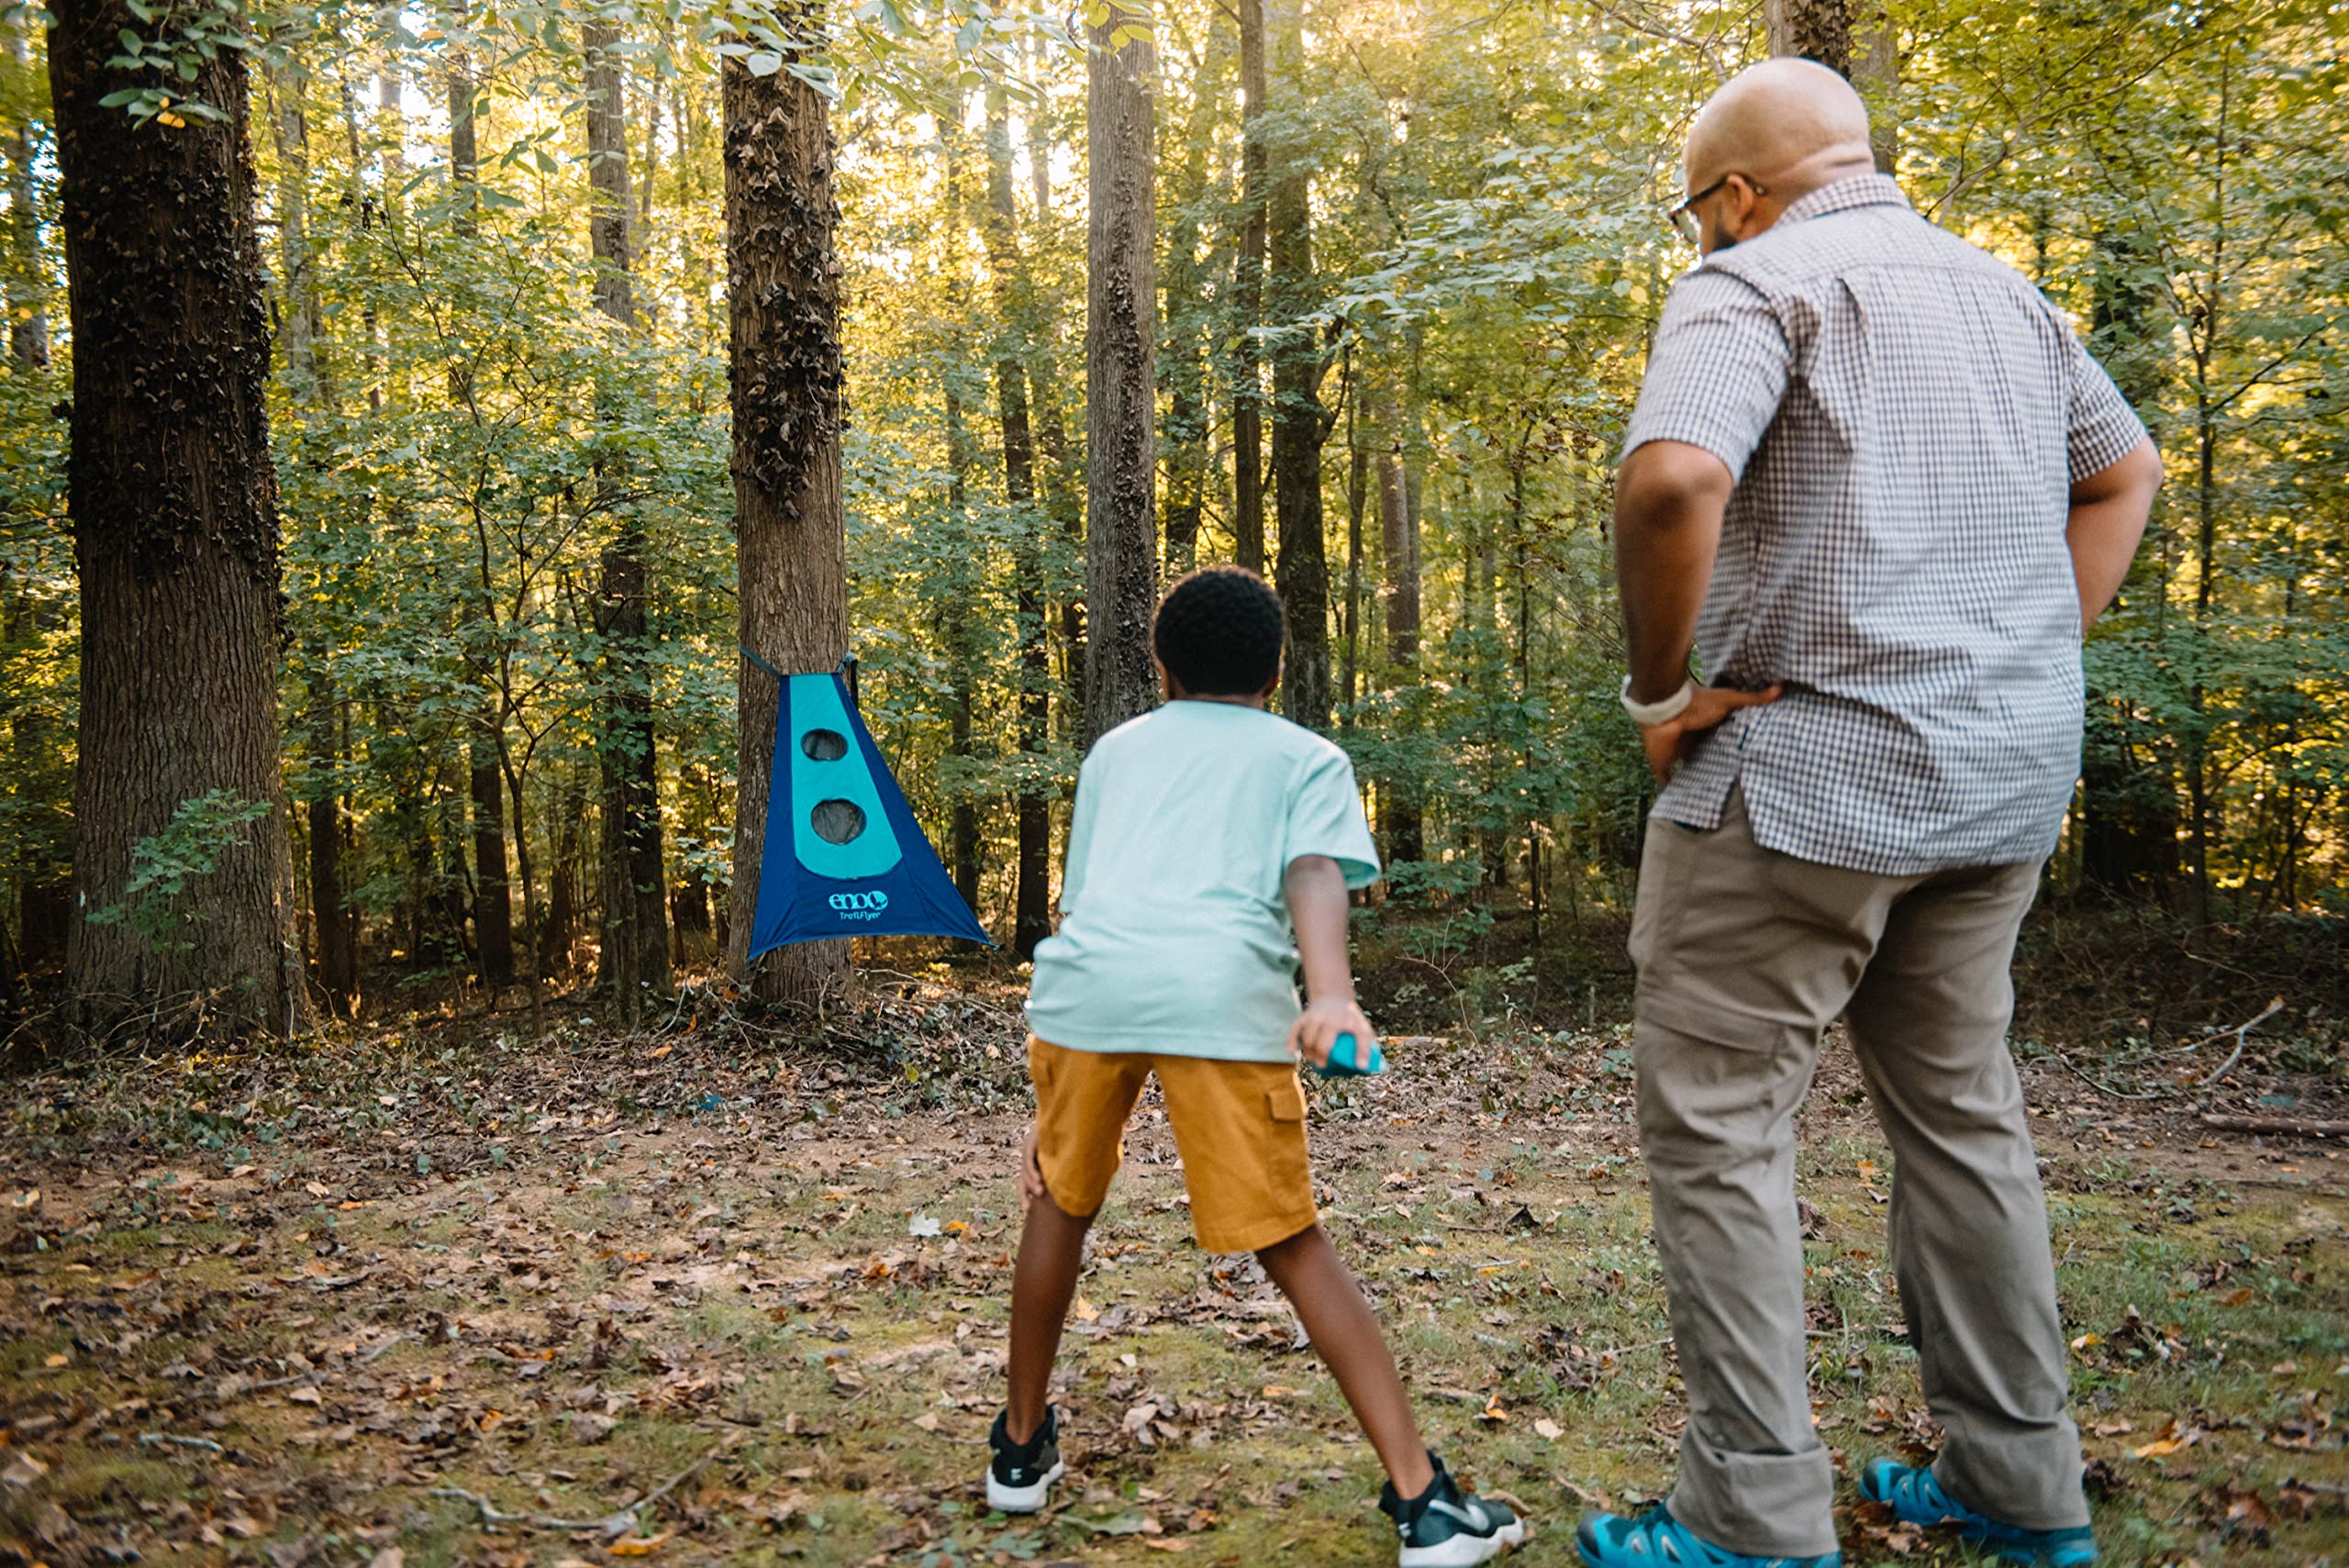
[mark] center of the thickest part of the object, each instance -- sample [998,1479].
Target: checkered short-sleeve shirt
[1904,415]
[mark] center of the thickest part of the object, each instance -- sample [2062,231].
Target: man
[1876,481]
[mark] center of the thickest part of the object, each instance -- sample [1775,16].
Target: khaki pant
[1744,956]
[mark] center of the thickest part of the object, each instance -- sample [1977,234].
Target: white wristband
[1645,713]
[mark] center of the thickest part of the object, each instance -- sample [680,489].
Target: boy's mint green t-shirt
[1174,934]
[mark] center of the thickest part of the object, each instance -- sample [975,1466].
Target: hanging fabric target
[844,856]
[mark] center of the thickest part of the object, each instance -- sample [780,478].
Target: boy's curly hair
[1218,632]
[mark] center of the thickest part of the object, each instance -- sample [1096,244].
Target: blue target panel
[844,856]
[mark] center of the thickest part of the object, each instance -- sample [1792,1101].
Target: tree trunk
[1121,338]
[1299,424]
[1247,288]
[1031,898]
[955,629]
[42,895]
[27,295]
[1814,29]
[1357,502]
[635,948]
[334,926]
[1189,313]
[1399,555]
[562,884]
[2128,798]
[607,225]
[1876,72]
[493,905]
[785,380]
[174,506]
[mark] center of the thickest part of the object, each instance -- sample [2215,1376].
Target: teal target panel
[844,856]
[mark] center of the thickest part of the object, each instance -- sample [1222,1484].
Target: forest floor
[438,1294]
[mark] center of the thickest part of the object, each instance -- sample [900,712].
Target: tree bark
[1031,898]
[1876,72]
[785,379]
[954,626]
[635,948]
[1189,313]
[1357,502]
[1248,289]
[493,904]
[1299,424]
[334,926]
[175,506]
[1814,29]
[27,295]
[1120,458]
[1399,557]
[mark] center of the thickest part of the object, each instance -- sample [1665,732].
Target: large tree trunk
[1247,288]
[1814,29]
[1120,338]
[27,296]
[635,948]
[1299,424]
[785,378]
[174,508]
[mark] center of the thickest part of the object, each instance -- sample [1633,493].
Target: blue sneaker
[1611,1540]
[1914,1493]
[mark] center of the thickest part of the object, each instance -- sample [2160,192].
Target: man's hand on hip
[1669,744]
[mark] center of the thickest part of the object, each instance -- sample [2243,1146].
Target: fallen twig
[617,1523]
[2099,1085]
[173,1440]
[2290,1126]
[492,1516]
[2273,1008]
[2234,1056]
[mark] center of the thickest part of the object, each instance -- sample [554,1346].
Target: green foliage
[164,866]
[465,437]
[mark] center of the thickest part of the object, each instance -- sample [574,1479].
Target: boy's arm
[1317,908]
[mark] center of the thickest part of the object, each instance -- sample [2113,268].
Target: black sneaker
[1022,1475]
[1446,1528]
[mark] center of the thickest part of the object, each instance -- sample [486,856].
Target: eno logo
[860,906]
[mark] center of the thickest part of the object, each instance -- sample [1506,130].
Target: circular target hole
[836,822]
[825,746]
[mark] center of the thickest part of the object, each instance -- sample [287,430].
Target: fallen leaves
[638,1545]
[2173,1436]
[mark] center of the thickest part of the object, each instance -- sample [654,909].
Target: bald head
[1792,125]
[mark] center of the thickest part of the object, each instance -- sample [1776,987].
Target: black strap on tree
[846,667]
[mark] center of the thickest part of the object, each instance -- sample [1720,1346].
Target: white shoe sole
[1462,1550]
[1005,1499]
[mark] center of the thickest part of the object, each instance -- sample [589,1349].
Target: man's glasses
[1683,218]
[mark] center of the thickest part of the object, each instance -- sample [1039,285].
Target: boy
[1208,835]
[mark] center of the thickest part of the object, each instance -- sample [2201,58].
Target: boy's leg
[1083,1099]
[1345,1333]
[1240,1127]
[1051,1252]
